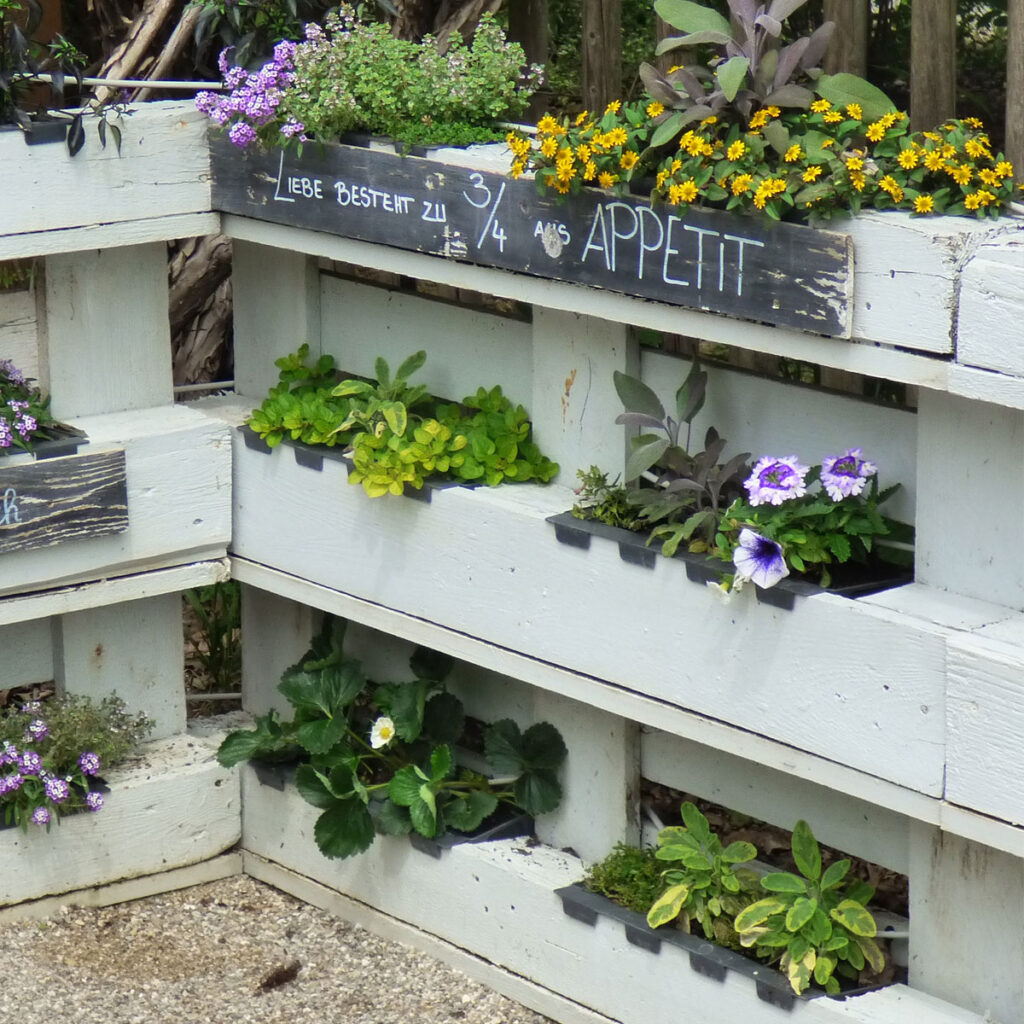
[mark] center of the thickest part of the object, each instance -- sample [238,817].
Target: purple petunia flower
[94,801]
[775,480]
[30,763]
[40,816]
[847,474]
[759,559]
[89,763]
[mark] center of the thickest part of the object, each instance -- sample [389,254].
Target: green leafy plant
[815,924]
[705,885]
[397,433]
[604,500]
[383,756]
[24,411]
[628,876]
[51,752]
[217,611]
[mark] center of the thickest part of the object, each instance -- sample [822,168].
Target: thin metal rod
[216,385]
[137,83]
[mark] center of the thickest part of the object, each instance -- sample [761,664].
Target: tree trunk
[848,49]
[1015,86]
[932,63]
[528,25]
[126,59]
[602,53]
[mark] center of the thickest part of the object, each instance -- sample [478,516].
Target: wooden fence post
[528,24]
[932,63]
[1015,86]
[848,49]
[602,53]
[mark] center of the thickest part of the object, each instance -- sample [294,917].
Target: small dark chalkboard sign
[783,274]
[55,500]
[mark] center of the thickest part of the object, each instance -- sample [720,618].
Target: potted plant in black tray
[26,424]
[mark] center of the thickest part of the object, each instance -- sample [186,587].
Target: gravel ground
[227,953]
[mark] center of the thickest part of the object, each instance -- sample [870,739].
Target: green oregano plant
[815,924]
[384,757]
[705,884]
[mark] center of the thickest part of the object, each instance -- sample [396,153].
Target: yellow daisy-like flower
[655,109]
[858,181]
[924,204]
[934,136]
[773,111]
[854,163]
[973,122]
[706,149]
[1004,169]
[760,119]
[828,143]
[854,111]
[562,187]
[948,151]
[628,159]
[833,117]
[875,132]
[688,191]
[961,174]
[613,107]
[892,186]
[908,159]
[760,198]
[987,176]
[736,150]
[742,183]
[549,125]
[972,201]
[565,172]
[709,121]
[581,117]
[589,171]
[793,154]
[583,153]
[986,197]
[820,106]
[517,169]
[933,161]
[976,149]
[888,120]
[549,147]
[812,173]
[617,137]
[676,67]
[662,177]
[674,166]
[606,180]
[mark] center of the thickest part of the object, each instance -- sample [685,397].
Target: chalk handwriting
[371,198]
[9,508]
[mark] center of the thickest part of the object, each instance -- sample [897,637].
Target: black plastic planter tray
[312,457]
[706,958]
[65,441]
[633,548]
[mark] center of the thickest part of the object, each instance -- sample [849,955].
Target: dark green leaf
[240,746]
[311,787]
[538,791]
[393,820]
[428,664]
[502,744]
[806,852]
[320,735]
[345,829]
[465,813]
[404,788]
[443,718]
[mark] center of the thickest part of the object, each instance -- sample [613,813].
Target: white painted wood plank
[771,417]
[106,895]
[985,386]
[991,309]
[164,166]
[173,806]
[753,666]
[105,236]
[27,653]
[845,822]
[19,340]
[128,365]
[967,449]
[134,648]
[869,359]
[637,707]
[466,348]
[28,607]
[179,495]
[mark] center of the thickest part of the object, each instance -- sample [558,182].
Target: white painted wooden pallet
[172,806]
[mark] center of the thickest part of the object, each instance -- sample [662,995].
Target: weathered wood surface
[777,273]
[175,806]
[485,562]
[163,170]
[485,898]
[18,331]
[59,500]
[179,496]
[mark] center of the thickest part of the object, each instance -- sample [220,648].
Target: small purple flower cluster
[776,479]
[254,97]
[16,420]
[12,373]
[28,787]
[16,396]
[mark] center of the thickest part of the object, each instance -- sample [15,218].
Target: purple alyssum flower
[776,479]
[30,763]
[846,475]
[11,783]
[57,789]
[759,559]
[40,816]
[8,753]
[94,801]
[89,763]
[37,730]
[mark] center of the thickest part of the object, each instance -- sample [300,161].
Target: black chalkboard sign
[55,500]
[784,274]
